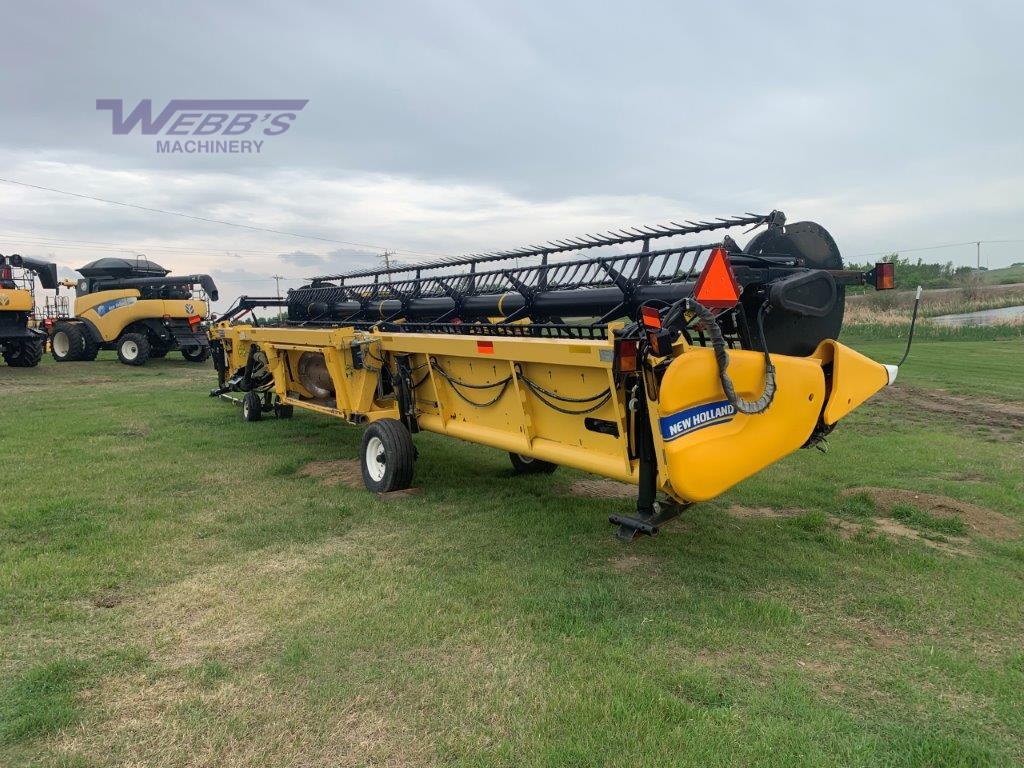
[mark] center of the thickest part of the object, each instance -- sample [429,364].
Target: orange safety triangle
[717,286]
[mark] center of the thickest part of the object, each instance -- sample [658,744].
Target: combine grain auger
[681,368]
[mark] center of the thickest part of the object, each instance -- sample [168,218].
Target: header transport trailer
[681,369]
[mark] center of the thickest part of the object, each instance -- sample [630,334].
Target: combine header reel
[629,354]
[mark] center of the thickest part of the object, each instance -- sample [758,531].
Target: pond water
[984,317]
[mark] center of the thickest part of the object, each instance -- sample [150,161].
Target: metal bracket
[646,523]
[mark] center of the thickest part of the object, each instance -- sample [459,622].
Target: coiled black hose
[718,343]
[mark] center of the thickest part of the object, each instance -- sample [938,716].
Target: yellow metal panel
[708,445]
[855,378]
[15,300]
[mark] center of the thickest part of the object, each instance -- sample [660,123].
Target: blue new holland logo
[698,417]
[109,306]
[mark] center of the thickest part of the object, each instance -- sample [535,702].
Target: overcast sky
[441,127]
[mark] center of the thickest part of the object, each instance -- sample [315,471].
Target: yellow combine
[135,307]
[20,342]
[682,369]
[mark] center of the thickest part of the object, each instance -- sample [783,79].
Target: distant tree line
[914,273]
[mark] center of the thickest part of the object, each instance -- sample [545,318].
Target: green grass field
[174,591]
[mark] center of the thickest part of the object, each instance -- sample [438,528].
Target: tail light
[885,276]
[195,320]
[5,273]
[651,318]
[625,360]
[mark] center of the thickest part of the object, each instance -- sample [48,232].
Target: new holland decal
[698,417]
[108,306]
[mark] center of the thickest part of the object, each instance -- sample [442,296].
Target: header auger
[680,368]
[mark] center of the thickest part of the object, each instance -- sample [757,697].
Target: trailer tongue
[682,368]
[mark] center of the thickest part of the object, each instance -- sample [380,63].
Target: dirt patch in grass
[109,599]
[969,411]
[762,513]
[345,472]
[602,489]
[349,473]
[848,529]
[980,521]
[624,563]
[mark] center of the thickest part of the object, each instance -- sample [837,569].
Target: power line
[210,220]
[934,247]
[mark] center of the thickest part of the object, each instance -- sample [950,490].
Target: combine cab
[135,307]
[21,343]
[679,368]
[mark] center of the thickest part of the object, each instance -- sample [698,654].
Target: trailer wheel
[283,411]
[252,406]
[133,349]
[526,465]
[24,354]
[67,343]
[196,354]
[387,456]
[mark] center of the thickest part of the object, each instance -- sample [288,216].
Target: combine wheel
[387,456]
[525,465]
[67,343]
[24,354]
[196,354]
[133,349]
[89,346]
[252,406]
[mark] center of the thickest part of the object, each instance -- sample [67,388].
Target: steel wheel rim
[130,350]
[375,465]
[525,459]
[60,342]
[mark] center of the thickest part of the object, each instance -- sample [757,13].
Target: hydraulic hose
[718,343]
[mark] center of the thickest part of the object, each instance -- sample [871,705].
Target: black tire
[252,407]
[24,354]
[284,411]
[67,342]
[196,354]
[133,349]
[90,347]
[393,459]
[524,465]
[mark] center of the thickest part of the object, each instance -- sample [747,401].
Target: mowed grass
[174,593]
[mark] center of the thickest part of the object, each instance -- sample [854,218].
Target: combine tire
[89,346]
[24,354]
[67,343]
[196,354]
[524,465]
[133,349]
[252,407]
[387,456]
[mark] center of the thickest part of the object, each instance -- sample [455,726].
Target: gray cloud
[453,126]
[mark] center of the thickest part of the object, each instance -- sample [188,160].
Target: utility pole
[978,244]
[278,279]
[387,261]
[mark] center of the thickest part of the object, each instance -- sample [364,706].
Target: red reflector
[485,347]
[717,286]
[195,320]
[5,273]
[625,355]
[651,317]
[885,276]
